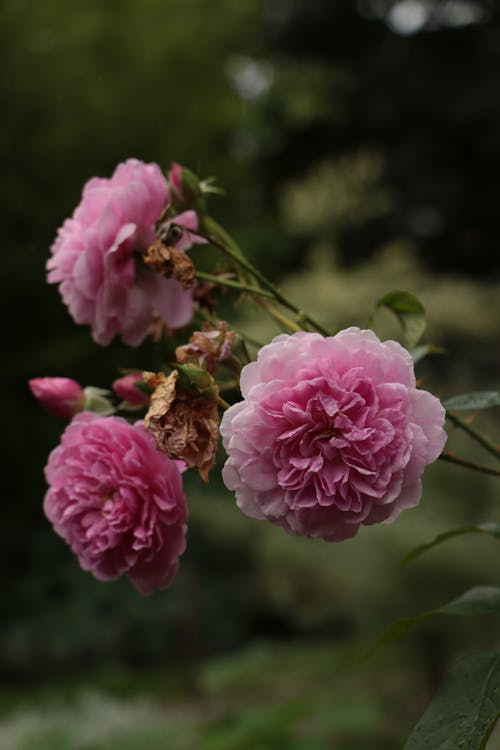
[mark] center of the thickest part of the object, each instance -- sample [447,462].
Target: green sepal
[197,381]
[97,401]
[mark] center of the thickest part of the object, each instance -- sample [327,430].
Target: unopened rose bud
[60,396]
[184,187]
[126,389]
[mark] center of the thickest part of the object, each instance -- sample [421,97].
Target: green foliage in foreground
[465,710]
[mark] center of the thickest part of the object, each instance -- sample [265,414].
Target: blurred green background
[358,143]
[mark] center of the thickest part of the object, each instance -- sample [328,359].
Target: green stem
[229,385]
[237,257]
[475,434]
[223,403]
[446,456]
[215,230]
[233,284]
[277,316]
[249,340]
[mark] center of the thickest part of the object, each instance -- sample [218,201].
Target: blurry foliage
[339,140]
[335,195]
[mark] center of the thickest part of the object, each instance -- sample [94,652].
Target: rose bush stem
[244,263]
[233,284]
[447,456]
[474,433]
[277,316]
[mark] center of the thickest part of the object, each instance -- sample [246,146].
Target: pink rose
[61,396]
[332,433]
[126,389]
[117,501]
[101,279]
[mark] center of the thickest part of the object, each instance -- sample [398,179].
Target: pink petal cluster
[61,396]
[126,389]
[117,501]
[332,433]
[94,262]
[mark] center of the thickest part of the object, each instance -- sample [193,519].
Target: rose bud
[126,389]
[60,396]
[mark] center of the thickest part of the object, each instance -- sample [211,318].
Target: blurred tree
[416,81]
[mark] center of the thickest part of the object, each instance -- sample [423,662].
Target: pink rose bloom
[93,260]
[126,389]
[332,433]
[61,396]
[117,501]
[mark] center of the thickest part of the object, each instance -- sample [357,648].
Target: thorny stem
[474,433]
[446,456]
[238,258]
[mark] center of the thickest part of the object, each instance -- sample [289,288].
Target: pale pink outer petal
[189,220]
[173,303]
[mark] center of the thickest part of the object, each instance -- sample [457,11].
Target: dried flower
[171,263]
[207,347]
[183,422]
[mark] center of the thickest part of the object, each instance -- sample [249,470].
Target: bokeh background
[359,146]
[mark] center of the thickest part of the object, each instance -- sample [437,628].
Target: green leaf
[493,529]
[474,400]
[480,600]
[465,709]
[419,352]
[409,311]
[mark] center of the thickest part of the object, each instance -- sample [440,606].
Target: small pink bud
[185,188]
[175,178]
[126,389]
[61,396]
